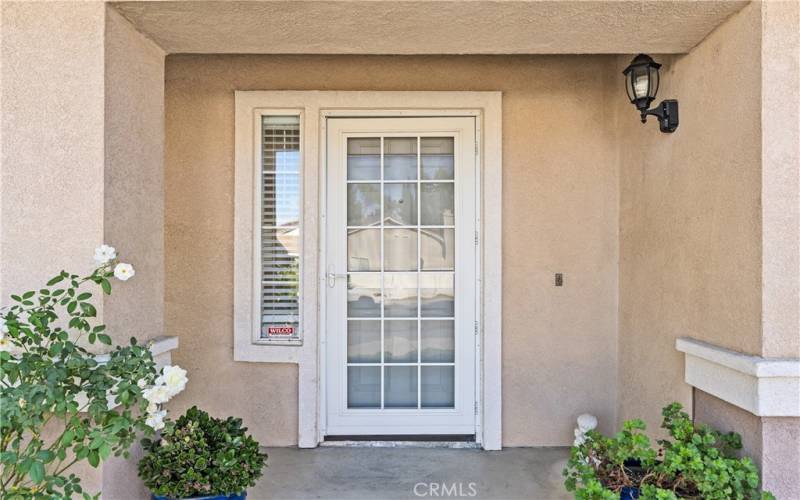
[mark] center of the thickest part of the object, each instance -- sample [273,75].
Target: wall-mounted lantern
[641,83]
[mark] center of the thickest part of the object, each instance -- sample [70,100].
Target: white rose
[124,272]
[157,394]
[3,327]
[104,254]
[152,408]
[5,345]
[156,420]
[174,378]
[142,383]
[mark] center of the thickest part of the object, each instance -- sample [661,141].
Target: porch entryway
[390,473]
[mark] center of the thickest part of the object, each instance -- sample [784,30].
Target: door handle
[333,276]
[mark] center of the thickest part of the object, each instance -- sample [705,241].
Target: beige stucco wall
[51,179]
[690,217]
[560,215]
[134,177]
[780,186]
[133,204]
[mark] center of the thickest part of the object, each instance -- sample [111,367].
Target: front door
[401,271]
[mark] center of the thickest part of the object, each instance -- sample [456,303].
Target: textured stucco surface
[134,178]
[780,142]
[780,461]
[133,204]
[726,417]
[425,27]
[560,215]
[690,217]
[51,179]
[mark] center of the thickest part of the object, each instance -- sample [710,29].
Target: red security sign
[280,330]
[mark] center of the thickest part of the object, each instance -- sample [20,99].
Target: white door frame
[461,419]
[316,107]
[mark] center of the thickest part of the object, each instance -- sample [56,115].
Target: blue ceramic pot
[235,496]
[628,493]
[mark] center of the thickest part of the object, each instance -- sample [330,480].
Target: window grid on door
[422,368]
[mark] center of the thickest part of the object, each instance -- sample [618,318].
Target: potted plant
[201,457]
[697,462]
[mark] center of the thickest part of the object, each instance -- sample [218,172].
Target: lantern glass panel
[629,86]
[641,81]
[653,82]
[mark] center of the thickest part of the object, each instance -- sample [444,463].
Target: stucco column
[770,425]
[780,198]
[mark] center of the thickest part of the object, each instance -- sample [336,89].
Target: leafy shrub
[201,455]
[698,462]
[54,406]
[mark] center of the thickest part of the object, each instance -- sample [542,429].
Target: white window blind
[280,227]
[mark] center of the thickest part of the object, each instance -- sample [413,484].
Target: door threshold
[403,441]
[360,443]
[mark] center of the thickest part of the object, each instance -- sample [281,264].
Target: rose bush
[62,404]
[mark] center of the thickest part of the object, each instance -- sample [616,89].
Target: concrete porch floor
[378,473]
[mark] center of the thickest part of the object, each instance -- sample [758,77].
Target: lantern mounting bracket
[667,114]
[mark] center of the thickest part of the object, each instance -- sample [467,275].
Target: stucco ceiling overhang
[428,26]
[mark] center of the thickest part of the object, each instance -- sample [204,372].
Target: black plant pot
[234,496]
[634,468]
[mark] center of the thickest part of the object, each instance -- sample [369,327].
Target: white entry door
[401,270]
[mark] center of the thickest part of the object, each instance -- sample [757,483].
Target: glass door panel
[401,238]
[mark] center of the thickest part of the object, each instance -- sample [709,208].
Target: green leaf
[67,438]
[45,456]
[104,451]
[94,458]
[88,309]
[27,295]
[84,296]
[55,280]
[36,472]
[106,286]
[102,337]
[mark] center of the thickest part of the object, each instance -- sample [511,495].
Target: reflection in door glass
[401,270]
[363,386]
[364,295]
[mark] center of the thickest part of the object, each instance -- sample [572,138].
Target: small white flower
[157,394]
[124,272]
[156,420]
[152,408]
[142,383]
[174,378]
[3,327]
[22,402]
[104,254]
